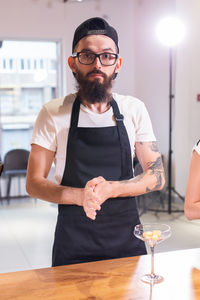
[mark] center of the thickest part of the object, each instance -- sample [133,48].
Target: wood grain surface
[109,279]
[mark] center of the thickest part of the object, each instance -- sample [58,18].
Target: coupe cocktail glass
[152,234]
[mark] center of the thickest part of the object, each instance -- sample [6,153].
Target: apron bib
[93,152]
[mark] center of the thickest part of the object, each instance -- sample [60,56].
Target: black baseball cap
[94,26]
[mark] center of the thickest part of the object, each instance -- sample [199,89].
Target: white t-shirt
[52,125]
[197,147]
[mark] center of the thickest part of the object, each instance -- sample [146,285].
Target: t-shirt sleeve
[197,147]
[143,125]
[44,132]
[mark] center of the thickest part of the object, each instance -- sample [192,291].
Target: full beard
[94,91]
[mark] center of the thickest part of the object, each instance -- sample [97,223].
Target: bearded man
[92,137]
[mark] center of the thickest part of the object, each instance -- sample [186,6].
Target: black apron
[93,152]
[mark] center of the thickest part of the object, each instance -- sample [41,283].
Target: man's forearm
[144,183]
[50,191]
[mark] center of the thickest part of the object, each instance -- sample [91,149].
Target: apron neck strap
[75,113]
[127,161]
[118,117]
[76,108]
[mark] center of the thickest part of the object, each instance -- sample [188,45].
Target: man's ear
[71,63]
[118,65]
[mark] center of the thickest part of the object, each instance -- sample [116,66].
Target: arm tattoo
[135,179]
[156,169]
[138,178]
[154,147]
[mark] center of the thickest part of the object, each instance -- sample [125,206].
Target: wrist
[114,189]
[80,197]
[71,195]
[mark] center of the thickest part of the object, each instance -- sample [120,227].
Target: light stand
[171,97]
[170,32]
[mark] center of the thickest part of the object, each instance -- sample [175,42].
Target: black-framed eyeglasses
[88,58]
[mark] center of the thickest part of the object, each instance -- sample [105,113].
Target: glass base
[152,278]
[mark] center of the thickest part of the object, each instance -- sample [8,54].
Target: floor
[26,234]
[27,230]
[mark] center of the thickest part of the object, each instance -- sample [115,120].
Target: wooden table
[110,279]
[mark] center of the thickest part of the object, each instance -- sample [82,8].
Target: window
[10,63]
[28,64]
[41,63]
[52,64]
[22,64]
[35,64]
[4,63]
[28,84]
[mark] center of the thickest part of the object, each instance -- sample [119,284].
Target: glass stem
[152,261]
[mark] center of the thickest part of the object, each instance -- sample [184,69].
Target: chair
[1,169]
[15,165]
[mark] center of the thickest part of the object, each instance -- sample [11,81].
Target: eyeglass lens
[106,59]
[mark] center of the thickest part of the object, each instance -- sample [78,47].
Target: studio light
[170,32]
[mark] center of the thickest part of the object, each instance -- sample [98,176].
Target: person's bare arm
[38,186]
[192,198]
[151,179]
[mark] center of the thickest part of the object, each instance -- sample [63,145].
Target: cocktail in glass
[152,234]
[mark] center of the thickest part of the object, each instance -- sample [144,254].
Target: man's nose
[97,63]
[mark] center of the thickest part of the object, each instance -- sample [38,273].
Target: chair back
[1,167]
[16,159]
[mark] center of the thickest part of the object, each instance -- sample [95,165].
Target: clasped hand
[96,192]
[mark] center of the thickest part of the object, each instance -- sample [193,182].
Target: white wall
[152,80]
[152,66]
[187,121]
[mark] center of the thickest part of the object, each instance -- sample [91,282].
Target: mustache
[96,72]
